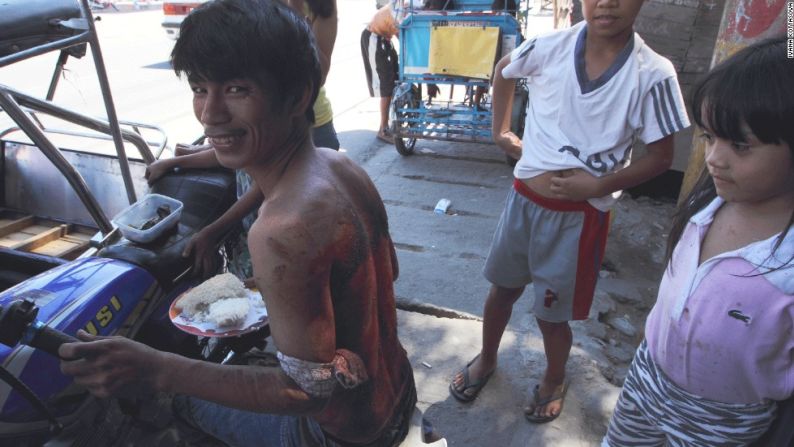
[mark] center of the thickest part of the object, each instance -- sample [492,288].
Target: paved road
[440,256]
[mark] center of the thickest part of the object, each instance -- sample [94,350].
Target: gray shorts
[557,245]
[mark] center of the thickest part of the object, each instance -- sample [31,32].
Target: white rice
[220,287]
[228,312]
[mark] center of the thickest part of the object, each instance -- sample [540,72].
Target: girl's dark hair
[262,40]
[753,87]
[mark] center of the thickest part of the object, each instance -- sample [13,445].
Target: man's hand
[158,169]
[510,143]
[203,247]
[575,185]
[112,366]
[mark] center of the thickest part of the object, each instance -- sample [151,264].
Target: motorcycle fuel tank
[101,296]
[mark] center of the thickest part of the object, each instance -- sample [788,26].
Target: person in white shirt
[594,90]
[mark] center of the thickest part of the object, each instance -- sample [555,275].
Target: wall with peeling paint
[685,32]
[743,22]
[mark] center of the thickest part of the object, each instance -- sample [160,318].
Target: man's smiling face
[240,120]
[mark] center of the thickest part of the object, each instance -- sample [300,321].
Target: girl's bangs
[752,89]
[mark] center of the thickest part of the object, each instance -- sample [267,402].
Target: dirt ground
[632,269]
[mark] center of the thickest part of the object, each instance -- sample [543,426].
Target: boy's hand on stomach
[575,185]
[510,143]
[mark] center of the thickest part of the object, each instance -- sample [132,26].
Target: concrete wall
[685,32]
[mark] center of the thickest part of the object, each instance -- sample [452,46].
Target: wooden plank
[67,247]
[40,239]
[14,225]
[52,248]
[72,252]
[13,239]
[78,236]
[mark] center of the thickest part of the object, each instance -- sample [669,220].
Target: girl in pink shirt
[719,343]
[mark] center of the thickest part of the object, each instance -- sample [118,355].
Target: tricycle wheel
[403,112]
[405,146]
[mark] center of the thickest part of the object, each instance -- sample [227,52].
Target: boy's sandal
[537,402]
[475,386]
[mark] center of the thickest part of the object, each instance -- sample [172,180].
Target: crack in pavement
[449,182]
[411,305]
[460,157]
[422,249]
[409,247]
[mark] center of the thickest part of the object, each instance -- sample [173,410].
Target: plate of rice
[219,307]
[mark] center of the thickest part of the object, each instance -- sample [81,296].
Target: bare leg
[557,340]
[478,92]
[498,309]
[384,113]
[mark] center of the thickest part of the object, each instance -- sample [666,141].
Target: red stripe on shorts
[592,244]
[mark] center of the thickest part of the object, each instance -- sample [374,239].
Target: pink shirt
[719,332]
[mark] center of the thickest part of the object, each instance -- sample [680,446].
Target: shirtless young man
[320,248]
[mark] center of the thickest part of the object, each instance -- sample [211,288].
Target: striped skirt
[653,411]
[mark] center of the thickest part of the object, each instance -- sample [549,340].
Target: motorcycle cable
[18,386]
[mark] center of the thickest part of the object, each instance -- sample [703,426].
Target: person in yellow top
[321,14]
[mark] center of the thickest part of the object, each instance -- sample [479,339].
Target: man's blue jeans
[239,428]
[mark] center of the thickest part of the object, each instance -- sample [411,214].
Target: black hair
[501,5]
[322,8]
[439,5]
[754,87]
[262,40]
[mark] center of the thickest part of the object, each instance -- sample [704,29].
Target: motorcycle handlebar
[41,336]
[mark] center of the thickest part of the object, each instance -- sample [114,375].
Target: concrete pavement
[441,291]
[440,256]
[496,418]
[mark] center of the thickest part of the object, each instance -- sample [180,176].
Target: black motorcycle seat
[28,23]
[17,266]
[205,194]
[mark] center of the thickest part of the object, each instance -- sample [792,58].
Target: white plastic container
[442,206]
[141,211]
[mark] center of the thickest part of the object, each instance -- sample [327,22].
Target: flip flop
[385,136]
[460,394]
[537,402]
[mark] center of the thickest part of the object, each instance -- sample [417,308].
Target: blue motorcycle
[64,266]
